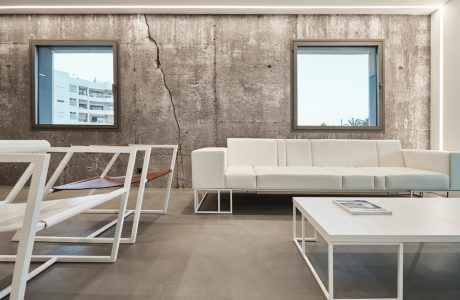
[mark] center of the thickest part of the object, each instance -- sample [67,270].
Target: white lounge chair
[35,215]
[105,181]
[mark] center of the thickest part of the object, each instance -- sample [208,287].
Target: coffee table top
[427,220]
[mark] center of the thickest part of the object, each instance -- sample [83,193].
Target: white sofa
[301,165]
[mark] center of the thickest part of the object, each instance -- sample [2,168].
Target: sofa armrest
[455,171]
[437,161]
[208,168]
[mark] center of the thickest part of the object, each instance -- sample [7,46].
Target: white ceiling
[221,6]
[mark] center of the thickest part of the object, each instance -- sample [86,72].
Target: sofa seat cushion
[240,177]
[353,179]
[403,179]
[297,178]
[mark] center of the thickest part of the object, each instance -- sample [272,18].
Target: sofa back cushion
[298,153]
[252,152]
[344,153]
[319,153]
[390,153]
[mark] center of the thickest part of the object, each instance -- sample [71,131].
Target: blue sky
[331,88]
[86,65]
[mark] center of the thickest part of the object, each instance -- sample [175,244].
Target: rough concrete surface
[196,80]
[245,256]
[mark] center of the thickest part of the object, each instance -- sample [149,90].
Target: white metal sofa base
[200,195]
[199,199]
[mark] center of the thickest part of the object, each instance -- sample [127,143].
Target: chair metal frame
[37,171]
[137,211]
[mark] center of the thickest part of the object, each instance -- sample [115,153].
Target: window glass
[66,71]
[336,86]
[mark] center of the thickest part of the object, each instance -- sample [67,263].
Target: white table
[414,220]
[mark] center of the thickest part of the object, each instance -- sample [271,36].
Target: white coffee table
[414,220]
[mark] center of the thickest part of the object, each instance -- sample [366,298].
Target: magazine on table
[361,207]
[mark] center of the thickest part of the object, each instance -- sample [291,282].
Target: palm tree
[355,122]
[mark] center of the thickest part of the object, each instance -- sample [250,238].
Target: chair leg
[20,184]
[168,193]
[140,195]
[48,263]
[26,243]
[123,205]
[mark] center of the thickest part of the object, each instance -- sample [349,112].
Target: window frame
[380,84]
[34,44]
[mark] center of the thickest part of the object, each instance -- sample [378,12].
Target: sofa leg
[195,199]
[231,201]
[198,201]
[218,200]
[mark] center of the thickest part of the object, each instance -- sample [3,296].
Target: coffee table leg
[400,271]
[329,291]
[330,271]
[302,239]
[294,222]
[330,266]
[303,233]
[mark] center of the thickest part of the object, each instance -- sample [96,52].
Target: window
[98,119]
[96,93]
[83,118]
[64,69]
[82,90]
[337,85]
[72,88]
[96,107]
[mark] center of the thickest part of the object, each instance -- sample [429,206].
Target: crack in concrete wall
[215,102]
[180,158]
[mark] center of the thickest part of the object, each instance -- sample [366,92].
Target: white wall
[436,71]
[219,7]
[445,78]
[451,128]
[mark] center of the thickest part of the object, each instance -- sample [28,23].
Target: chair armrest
[437,161]
[93,149]
[24,146]
[208,168]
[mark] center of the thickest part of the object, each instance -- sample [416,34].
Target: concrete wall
[196,80]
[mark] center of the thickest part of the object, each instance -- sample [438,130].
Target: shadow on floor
[264,204]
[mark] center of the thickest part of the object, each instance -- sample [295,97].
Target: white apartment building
[79,101]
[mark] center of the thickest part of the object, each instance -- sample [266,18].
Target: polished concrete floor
[247,255]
